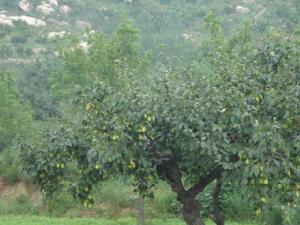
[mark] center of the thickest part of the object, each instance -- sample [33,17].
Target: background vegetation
[39,75]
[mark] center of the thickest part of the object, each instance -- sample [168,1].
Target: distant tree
[35,87]
[14,117]
[233,115]
[106,59]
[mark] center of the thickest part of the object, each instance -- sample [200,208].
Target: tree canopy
[234,114]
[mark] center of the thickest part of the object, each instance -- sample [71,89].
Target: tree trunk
[141,210]
[191,212]
[217,216]
[170,172]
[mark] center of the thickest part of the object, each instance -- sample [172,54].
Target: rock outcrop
[57,22]
[39,50]
[53,2]
[53,35]
[6,20]
[31,21]
[25,6]
[65,9]
[45,8]
[83,24]
[241,9]
[83,45]
[192,36]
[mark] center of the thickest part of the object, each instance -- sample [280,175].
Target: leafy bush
[18,39]
[19,206]
[117,193]
[5,50]
[9,165]
[277,214]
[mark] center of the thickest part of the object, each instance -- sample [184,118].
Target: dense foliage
[14,117]
[212,108]
[234,114]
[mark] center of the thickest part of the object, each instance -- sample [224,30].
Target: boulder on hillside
[53,35]
[31,21]
[6,20]
[53,2]
[192,36]
[83,24]
[241,9]
[65,9]
[25,6]
[57,22]
[45,8]
[39,50]
[86,35]
[84,46]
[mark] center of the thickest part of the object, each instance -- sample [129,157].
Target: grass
[36,220]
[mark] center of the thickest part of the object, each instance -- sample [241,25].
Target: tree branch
[199,187]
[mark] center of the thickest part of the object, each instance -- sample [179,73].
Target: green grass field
[35,220]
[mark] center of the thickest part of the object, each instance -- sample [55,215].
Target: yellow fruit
[258,212]
[115,137]
[131,165]
[279,186]
[257,99]
[149,118]
[297,194]
[263,199]
[86,189]
[266,181]
[289,173]
[97,167]
[57,165]
[247,162]
[142,129]
[88,106]
[109,159]
[62,165]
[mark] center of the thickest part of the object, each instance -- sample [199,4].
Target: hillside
[30,28]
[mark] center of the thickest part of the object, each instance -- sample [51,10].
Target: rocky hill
[29,28]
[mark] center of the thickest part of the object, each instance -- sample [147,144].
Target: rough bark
[170,172]
[141,211]
[191,211]
[216,214]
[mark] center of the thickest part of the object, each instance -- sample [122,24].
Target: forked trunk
[168,169]
[191,212]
